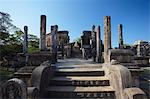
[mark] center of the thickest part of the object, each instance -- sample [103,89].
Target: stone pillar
[107,38]
[93,43]
[82,37]
[98,46]
[120,36]
[62,48]
[25,42]
[54,30]
[42,42]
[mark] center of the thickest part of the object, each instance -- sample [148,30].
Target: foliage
[33,43]
[126,46]
[77,40]
[11,43]
[5,23]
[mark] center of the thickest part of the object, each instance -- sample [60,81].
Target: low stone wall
[142,61]
[36,59]
[25,73]
[122,55]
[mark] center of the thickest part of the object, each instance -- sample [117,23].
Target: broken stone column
[93,43]
[42,42]
[54,30]
[107,38]
[25,42]
[98,46]
[120,36]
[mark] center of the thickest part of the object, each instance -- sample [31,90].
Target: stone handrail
[40,78]
[134,93]
[120,79]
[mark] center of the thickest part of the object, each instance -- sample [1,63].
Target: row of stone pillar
[42,42]
[96,44]
[107,37]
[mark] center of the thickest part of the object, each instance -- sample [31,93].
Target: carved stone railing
[18,89]
[40,78]
[121,80]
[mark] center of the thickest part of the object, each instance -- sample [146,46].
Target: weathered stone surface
[85,44]
[93,43]
[134,93]
[33,93]
[14,89]
[142,61]
[98,46]
[122,55]
[35,59]
[120,78]
[120,36]
[24,74]
[142,48]
[86,38]
[107,38]
[25,42]
[114,62]
[42,42]
[62,37]
[40,78]
[54,30]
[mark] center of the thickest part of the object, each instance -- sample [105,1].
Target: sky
[79,15]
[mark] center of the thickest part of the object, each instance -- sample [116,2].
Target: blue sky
[78,15]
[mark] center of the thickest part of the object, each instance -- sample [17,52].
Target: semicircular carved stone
[14,89]
[40,78]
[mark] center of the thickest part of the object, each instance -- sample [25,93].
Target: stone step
[79,72]
[81,92]
[80,81]
[94,65]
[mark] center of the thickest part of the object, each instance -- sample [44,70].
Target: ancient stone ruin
[99,71]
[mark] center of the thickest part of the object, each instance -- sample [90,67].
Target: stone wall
[122,55]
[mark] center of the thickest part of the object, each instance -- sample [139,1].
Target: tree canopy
[11,38]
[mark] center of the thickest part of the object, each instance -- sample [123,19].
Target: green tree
[9,43]
[6,23]
[33,43]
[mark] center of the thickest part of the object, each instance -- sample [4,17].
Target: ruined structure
[85,44]
[142,53]
[107,38]
[116,78]
[62,41]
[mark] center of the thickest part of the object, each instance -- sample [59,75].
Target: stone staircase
[80,82]
[75,78]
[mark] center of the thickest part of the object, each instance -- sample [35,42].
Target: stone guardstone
[114,62]
[33,93]
[14,89]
